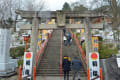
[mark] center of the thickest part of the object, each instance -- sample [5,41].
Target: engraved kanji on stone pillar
[60,19]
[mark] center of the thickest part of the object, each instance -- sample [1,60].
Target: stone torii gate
[60,17]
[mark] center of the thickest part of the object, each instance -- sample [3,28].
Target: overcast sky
[57,4]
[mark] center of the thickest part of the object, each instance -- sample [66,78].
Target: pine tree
[66,7]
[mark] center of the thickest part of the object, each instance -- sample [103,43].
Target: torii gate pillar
[34,38]
[88,39]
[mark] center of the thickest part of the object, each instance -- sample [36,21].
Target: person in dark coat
[76,66]
[66,67]
[64,31]
[68,39]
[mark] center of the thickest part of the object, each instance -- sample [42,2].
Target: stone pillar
[5,35]
[60,19]
[88,39]
[34,38]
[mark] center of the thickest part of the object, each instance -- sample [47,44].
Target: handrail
[80,48]
[101,74]
[61,58]
[88,74]
[42,48]
[19,73]
[33,72]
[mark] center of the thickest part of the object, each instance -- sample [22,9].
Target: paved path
[15,77]
[53,78]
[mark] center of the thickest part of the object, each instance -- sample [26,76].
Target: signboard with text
[95,44]
[27,65]
[39,41]
[118,60]
[94,67]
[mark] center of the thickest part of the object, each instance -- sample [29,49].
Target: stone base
[7,73]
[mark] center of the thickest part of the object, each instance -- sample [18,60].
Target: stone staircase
[50,62]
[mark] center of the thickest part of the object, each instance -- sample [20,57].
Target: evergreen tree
[80,8]
[66,7]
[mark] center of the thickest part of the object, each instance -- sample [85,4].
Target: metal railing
[81,54]
[39,55]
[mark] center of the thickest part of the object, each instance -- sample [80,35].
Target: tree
[80,8]
[31,5]
[111,11]
[8,7]
[7,12]
[76,6]
[34,5]
[102,9]
[114,7]
[96,4]
[114,4]
[66,7]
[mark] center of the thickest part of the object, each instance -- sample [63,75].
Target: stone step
[55,63]
[57,66]
[51,69]
[58,74]
[50,62]
[48,67]
[55,72]
[51,55]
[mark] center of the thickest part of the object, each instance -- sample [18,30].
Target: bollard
[19,73]
[33,72]
[88,74]
[101,76]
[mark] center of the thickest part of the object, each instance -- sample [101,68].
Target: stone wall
[110,69]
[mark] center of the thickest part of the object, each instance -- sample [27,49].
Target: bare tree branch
[34,5]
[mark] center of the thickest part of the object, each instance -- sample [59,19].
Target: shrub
[17,52]
[20,62]
[106,51]
[118,47]
[21,42]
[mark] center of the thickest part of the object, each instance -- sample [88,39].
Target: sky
[57,4]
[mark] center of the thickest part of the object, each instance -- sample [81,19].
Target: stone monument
[6,67]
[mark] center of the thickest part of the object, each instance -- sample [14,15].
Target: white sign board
[27,65]
[94,67]
[118,60]
[25,35]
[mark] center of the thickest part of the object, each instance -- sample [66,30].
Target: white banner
[27,65]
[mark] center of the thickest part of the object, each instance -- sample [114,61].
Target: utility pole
[88,39]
